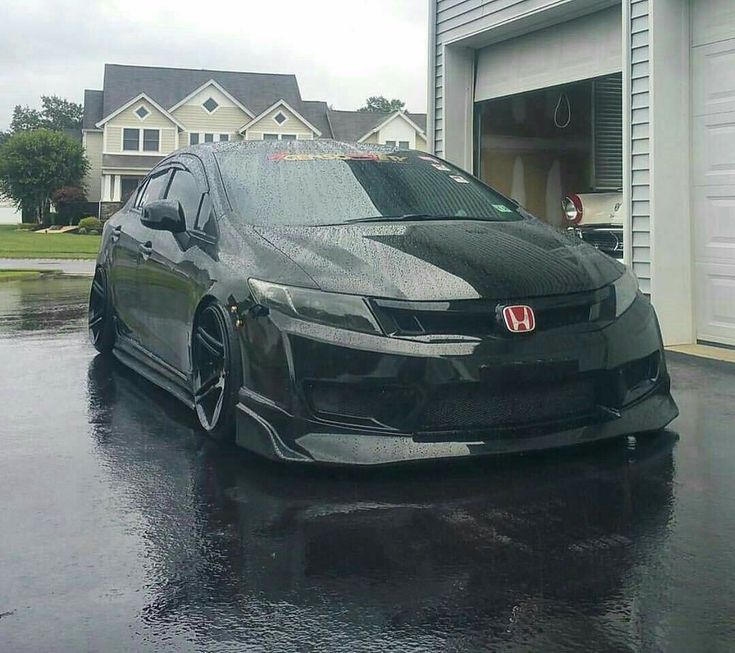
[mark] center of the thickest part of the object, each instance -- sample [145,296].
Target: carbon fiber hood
[444,259]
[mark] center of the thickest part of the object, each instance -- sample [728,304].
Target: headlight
[626,289]
[341,311]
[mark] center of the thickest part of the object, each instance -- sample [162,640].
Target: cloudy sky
[341,50]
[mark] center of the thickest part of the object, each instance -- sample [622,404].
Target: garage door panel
[714,223]
[587,47]
[716,302]
[712,20]
[713,74]
[713,167]
[713,146]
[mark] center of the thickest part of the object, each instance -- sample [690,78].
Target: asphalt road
[123,529]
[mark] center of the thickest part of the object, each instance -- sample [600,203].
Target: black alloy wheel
[217,371]
[99,317]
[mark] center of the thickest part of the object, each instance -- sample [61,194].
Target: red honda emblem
[519,319]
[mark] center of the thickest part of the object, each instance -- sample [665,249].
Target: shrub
[90,224]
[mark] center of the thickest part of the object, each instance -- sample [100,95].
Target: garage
[527,95]
[548,124]
[713,168]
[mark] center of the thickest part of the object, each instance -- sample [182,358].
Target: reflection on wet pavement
[124,529]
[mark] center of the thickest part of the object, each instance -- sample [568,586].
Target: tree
[56,114]
[59,114]
[382,104]
[70,202]
[35,164]
[25,119]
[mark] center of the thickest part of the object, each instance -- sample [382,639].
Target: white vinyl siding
[92,142]
[639,116]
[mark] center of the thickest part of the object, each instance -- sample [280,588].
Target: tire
[217,371]
[100,322]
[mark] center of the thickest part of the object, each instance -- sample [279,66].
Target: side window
[207,222]
[154,189]
[185,189]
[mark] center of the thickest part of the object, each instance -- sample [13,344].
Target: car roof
[256,148]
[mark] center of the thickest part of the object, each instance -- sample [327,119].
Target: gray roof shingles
[168,86]
[92,109]
[255,91]
[353,125]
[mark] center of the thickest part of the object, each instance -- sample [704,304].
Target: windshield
[320,184]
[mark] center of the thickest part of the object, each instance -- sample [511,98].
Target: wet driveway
[122,529]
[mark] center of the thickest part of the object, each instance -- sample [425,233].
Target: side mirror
[164,215]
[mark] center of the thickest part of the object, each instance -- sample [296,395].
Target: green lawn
[15,243]
[14,275]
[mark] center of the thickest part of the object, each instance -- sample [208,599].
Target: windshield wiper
[400,218]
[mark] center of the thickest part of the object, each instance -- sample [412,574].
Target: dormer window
[142,112]
[280,118]
[210,104]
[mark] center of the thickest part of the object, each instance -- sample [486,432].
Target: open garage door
[578,49]
[548,124]
[713,168]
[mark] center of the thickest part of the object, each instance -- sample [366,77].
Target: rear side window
[185,189]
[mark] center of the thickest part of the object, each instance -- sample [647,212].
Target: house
[142,114]
[641,93]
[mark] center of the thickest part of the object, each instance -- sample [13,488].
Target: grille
[479,318]
[477,406]
[609,241]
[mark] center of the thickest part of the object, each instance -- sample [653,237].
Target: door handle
[116,231]
[145,250]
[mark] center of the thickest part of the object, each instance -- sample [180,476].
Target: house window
[151,140]
[193,138]
[131,140]
[210,104]
[127,187]
[209,138]
[279,137]
[280,118]
[142,112]
[224,137]
[404,145]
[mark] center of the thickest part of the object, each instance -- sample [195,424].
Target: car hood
[444,259]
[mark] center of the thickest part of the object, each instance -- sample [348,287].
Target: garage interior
[543,144]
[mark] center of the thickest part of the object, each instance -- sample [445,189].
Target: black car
[339,303]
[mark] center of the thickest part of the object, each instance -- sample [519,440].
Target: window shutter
[608,132]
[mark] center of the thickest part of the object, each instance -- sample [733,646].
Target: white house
[545,77]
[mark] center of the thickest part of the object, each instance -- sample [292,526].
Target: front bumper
[315,394]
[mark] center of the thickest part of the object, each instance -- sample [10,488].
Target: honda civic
[317,301]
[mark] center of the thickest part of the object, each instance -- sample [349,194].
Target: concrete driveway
[123,529]
[67,266]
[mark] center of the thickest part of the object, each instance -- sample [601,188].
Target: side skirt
[156,371]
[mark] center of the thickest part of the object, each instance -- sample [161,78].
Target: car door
[138,249]
[174,275]
[126,237]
